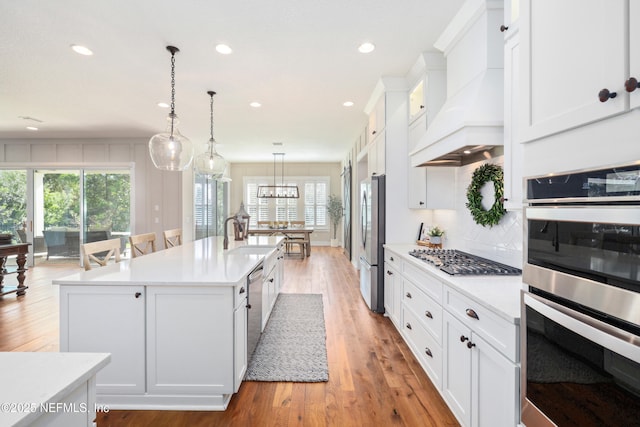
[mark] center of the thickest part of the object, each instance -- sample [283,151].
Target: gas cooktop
[456,262]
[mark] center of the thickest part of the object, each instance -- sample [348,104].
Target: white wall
[158,203]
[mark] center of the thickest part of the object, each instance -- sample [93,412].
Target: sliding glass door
[56,210]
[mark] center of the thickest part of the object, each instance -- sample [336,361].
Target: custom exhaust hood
[469,126]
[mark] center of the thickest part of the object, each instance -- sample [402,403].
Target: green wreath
[482,175]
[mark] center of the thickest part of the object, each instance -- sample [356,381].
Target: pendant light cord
[173,86]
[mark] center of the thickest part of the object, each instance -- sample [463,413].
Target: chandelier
[278,191]
[170,150]
[210,163]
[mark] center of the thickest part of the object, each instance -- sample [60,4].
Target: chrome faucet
[226,232]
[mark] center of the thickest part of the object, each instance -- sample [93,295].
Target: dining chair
[172,238]
[142,244]
[100,252]
[300,240]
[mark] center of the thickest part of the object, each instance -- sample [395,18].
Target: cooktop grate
[455,262]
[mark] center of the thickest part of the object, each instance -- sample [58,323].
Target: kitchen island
[174,322]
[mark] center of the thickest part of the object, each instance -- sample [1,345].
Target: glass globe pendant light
[210,163]
[170,150]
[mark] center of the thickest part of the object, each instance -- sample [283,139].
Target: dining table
[293,233]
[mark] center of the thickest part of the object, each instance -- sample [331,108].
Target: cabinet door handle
[408,326]
[137,294]
[421,203]
[422,107]
[471,313]
[503,28]
[242,290]
[463,338]
[428,352]
[389,273]
[631,84]
[271,280]
[470,345]
[604,95]
[428,314]
[391,258]
[408,295]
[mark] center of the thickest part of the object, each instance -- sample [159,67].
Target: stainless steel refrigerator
[372,232]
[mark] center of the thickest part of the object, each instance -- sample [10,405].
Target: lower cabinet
[190,340]
[107,319]
[480,385]
[176,347]
[392,294]
[469,352]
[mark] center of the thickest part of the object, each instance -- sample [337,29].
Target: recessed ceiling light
[32,128]
[255,104]
[366,47]
[82,50]
[348,104]
[223,49]
[163,105]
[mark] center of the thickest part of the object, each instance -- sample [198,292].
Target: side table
[20,250]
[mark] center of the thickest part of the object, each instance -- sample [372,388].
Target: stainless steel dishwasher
[254,308]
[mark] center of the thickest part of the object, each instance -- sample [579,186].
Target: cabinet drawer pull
[428,352]
[408,295]
[631,84]
[604,95]
[503,28]
[471,313]
[138,294]
[271,280]
[242,290]
[428,314]
[408,326]
[422,107]
[470,345]
[391,258]
[421,203]
[373,132]
[389,273]
[463,338]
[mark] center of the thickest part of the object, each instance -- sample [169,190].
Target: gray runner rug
[292,347]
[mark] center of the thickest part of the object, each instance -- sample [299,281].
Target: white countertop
[198,263]
[500,294]
[33,379]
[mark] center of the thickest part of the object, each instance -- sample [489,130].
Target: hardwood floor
[374,379]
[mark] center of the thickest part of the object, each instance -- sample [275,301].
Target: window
[311,206]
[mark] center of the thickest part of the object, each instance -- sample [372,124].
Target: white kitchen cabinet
[377,119]
[564,68]
[417,107]
[424,346]
[634,49]
[513,160]
[431,187]
[240,357]
[376,155]
[392,294]
[511,22]
[480,385]
[84,328]
[175,317]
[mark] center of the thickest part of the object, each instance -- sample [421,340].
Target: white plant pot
[436,240]
[334,243]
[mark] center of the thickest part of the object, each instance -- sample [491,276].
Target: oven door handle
[608,336]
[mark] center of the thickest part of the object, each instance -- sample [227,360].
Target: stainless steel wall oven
[581,312]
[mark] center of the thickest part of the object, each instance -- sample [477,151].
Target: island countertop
[201,262]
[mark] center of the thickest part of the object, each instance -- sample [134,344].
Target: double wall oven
[580,324]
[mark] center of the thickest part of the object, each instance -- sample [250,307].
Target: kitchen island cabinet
[474,362]
[174,322]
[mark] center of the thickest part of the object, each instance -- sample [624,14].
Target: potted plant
[335,209]
[435,235]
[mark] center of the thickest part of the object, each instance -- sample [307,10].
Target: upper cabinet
[634,53]
[376,119]
[511,22]
[513,156]
[574,63]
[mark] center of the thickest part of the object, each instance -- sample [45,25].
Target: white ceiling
[298,58]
